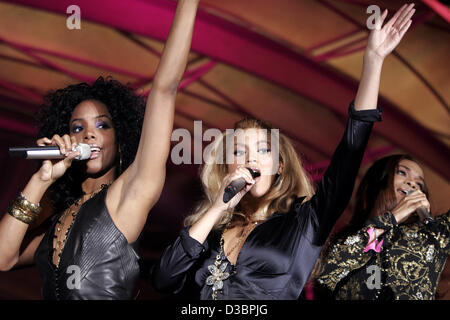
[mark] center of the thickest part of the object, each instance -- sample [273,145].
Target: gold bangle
[24,210]
[21,215]
[23,202]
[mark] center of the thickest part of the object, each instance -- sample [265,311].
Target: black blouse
[97,263]
[278,255]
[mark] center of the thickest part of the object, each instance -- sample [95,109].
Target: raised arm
[158,121]
[335,188]
[136,191]
[382,41]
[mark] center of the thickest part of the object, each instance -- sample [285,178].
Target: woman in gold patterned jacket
[391,250]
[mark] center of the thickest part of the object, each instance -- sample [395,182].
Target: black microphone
[423,213]
[237,185]
[49,152]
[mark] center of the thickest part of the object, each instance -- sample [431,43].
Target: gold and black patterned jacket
[407,268]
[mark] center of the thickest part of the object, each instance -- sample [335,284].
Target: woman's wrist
[218,206]
[35,189]
[399,215]
[216,211]
[371,59]
[202,227]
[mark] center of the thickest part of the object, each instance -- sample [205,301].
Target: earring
[277,177]
[120,160]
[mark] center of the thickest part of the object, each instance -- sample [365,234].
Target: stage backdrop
[295,64]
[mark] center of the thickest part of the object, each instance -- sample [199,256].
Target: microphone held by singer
[237,185]
[423,213]
[48,152]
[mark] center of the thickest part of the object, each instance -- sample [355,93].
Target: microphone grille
[254,173]
[85,151]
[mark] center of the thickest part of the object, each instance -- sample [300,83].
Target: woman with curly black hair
[101,204]
[126,113]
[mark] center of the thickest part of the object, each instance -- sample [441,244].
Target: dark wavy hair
[127,112]
[374,196]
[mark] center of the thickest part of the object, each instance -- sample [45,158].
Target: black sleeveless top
[96,262]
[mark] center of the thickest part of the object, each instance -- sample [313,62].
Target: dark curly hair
[126,109]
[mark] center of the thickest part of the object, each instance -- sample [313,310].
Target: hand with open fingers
[383,39]
[409,204]
[51,170]
[240,172]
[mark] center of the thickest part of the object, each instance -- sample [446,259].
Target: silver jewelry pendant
[217,276]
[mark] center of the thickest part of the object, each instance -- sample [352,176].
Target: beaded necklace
[60,241]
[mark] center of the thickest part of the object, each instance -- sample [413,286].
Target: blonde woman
[263,243]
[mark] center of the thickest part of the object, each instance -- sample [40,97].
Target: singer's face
[408,176]
[91,123]
[252,149]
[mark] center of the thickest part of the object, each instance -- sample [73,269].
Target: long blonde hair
[291,183]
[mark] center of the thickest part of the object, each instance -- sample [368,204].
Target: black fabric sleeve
[170,272]
[335,189]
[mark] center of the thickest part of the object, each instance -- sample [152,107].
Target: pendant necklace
[217,269]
